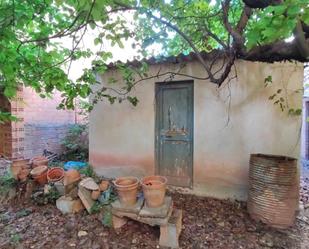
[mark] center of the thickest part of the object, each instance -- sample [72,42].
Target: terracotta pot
[23,175]
[39,161]
[71,176]
[55,174]
[103,185]
[39,174]
[95,194]
[127,190]
[154,188]
[18,165]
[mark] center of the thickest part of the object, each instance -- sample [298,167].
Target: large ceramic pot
[127,190]
[154,188]
[19,165]
[71,176]
[39,161]
[23,174]
[55,174]
[39,174]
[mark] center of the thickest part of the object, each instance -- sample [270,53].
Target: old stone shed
[41,125]
[198,135]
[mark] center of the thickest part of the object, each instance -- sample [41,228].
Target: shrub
[6,183]
[75,143]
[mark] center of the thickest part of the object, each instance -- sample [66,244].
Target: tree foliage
[32,53]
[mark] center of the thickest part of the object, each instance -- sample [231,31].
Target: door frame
[158,86]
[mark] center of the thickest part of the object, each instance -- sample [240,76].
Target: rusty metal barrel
[273,189]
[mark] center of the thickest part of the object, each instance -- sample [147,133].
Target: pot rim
[137,181]
[272,157]
[43,168]
[52,170]
[158,178]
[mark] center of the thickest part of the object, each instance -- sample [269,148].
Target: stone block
[117,205]
[147,220]
[170,232]
[69,187]
[118,222]
[60,187]
[68,205]
[158,212]
[85,196]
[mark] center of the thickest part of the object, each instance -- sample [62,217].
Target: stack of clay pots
[39,169]
[39,174]
[154,188]
[20,169]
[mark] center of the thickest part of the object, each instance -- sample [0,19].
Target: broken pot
[89,183]
[127,189]
[71,176]
[55,174]
[103,185]
[154,188]
[39,174]
[95,194]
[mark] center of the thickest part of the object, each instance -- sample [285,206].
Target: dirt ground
[207,223]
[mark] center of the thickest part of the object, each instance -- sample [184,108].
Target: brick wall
[12,133]
[43,136]
[45,126]
[41,125]
[5,129]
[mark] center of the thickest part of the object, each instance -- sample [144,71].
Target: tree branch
[261,4]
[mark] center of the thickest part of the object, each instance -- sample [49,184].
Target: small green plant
[15,239]
[88,171]
[4,218]
[96,208]
[75,143]
[23,213]
[52,195]
[6,183]
[107,217]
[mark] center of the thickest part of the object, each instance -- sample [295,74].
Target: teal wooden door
[174,132]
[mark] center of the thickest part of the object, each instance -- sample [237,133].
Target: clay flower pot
[55,174]
[127,190]
[103,185]
[39,161]
[95,194]
[39,174]
[23,175]
[71,176]
[18,165]
[154,188]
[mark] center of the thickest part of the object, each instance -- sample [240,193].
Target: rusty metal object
[273,189]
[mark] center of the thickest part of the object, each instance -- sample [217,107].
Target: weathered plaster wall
[230,123]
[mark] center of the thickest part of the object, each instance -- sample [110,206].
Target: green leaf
[10,91]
